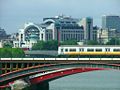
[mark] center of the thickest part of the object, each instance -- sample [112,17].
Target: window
[81,49]
[21,37]
[73,22]
[98,50]
[61,50]
[66,50]
[42,36]
[62,22]
[72,50]
[90,50]
[107,49]
[67,22]
[116,50]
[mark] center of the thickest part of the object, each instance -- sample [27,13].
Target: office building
[87,23]
[104,35]
[3,34]
[111,22]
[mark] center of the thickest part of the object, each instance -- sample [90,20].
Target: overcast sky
[14,13]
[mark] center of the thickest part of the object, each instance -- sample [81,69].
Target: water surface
[96,80]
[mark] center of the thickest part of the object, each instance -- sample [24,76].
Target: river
[96,80]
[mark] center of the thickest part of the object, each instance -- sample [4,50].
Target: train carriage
[89,50]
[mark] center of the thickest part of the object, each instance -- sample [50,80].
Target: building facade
[3,34]
[104,35]
[111,22]
[87,23]
[60,28]
[1,44]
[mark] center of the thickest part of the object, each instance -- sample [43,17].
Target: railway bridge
[39,71]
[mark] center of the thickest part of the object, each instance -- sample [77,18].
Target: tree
[7,45]
[113,41]
[17,52]
[92,42]
[52,45]
[39,45]
[11,53]
[5,52]
[46,45]
[69,42]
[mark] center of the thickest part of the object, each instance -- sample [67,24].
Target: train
[89,50]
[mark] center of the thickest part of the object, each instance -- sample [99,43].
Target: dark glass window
[61,50]
[71,50]
[98,50]
[107,49]
[116,50]
[90,50]
[81,49]
[66,50]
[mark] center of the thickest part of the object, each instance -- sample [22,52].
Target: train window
[107,49]
[66,50]
[61,50]
[90,50]
[98,50]
[116,50]
[81,49]
[71,50]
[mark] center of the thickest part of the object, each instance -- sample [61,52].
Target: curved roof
[31,25]
[49,21]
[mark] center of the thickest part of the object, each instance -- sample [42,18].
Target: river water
[96,80]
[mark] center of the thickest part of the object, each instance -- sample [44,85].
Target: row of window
[68,22]
[77,37]
[91,50]
[80,31]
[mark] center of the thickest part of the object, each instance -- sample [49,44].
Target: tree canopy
[69,42]
[7,45]
[51,45]
[11,53]
[92,42]
[113,41]
[46,45]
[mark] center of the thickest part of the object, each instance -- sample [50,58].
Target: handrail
[19,59]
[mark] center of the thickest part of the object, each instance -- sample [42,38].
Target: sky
[15,13]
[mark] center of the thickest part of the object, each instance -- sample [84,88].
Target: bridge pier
[40,86]
[0,68]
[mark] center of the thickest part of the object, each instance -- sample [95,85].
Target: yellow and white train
[89,50]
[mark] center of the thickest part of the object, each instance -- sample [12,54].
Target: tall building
[87,23]
[3,34]
[111,22]
[94,33]
[104,35]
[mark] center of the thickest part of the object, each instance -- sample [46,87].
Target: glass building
[111,22]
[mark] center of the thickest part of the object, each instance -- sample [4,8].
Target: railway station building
[60,28]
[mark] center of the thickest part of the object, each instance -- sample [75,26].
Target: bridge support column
[41,86]
[0,68]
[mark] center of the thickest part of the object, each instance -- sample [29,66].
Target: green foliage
[7,45]
[51,45]
[11,53]
[69,42]
[113,41]
[46,45]
[92,42]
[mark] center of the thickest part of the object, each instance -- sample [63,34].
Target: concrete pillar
[11,67]
[40,86]
[0,68]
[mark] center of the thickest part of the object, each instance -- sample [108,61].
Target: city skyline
[15,13]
